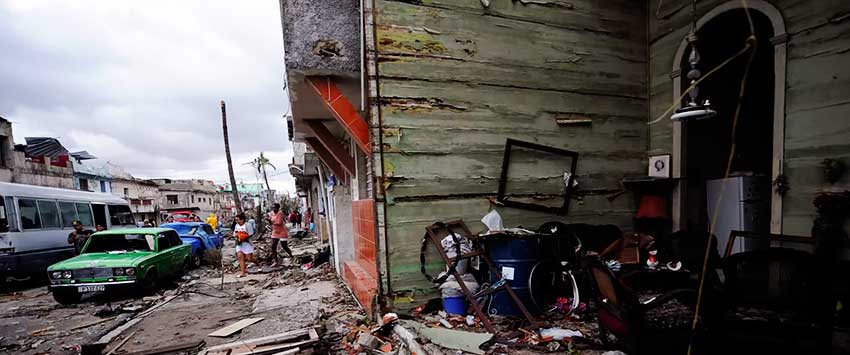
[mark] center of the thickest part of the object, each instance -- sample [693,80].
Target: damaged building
[405,108]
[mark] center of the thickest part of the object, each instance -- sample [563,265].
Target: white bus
[35,222]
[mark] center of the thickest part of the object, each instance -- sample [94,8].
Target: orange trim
[342,110]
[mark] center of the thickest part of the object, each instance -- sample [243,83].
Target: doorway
[708,142]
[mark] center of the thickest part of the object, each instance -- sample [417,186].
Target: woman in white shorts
[244,248]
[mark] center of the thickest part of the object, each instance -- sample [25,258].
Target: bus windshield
[120,215]
[118,243]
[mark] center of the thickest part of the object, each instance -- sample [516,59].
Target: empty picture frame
[569,186]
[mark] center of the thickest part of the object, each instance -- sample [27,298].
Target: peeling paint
[402,38]
[419,104]
[553,4]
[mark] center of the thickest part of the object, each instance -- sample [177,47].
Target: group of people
[245,231]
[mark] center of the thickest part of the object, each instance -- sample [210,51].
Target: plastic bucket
[455,305]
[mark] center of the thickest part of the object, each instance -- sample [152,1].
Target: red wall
[361,274]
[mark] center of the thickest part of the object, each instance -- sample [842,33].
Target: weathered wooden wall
[456,79]
[817,91]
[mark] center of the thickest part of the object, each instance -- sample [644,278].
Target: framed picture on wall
[659,166]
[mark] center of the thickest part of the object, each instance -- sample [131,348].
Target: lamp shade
[652,206]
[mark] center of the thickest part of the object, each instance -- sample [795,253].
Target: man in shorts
[279,232]
[244,249]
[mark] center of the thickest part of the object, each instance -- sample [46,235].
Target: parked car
[200,236]
[181,216]
[139,257]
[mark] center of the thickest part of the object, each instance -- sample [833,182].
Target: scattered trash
[451,339]
[493,221]
[559,334]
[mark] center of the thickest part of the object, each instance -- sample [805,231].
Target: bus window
[84,214]
[68,213]
[49,214]
[4,219]
[29,214]
[120,215]
[11,215]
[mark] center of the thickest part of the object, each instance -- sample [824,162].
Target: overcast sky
[139,83]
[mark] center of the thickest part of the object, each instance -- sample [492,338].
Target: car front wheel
[148,284]
[66,296]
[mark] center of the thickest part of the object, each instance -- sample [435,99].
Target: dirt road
[286,297]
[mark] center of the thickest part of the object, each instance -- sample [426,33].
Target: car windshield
[117,243]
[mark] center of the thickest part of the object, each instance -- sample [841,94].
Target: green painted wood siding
[817,96]
[457,79]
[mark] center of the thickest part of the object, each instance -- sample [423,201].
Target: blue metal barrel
[514,257]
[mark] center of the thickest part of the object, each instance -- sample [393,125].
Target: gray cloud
[139,84]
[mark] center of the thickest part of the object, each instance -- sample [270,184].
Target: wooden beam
[326,157]
[332,145]
[342,110]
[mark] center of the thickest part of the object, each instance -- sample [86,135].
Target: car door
[164,255]
[177,252]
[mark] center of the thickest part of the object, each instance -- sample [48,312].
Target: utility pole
[233,187]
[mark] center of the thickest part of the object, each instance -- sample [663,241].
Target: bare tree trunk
[266,177]
[233,187]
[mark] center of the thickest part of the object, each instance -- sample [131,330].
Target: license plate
[92,288]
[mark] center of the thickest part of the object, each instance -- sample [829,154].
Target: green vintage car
[138,258]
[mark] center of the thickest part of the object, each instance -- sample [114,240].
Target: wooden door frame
[779,41]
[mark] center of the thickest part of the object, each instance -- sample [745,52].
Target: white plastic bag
[493,221]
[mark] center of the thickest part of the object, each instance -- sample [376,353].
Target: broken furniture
[435,234]
[621,313]
[775,298]
[568,177]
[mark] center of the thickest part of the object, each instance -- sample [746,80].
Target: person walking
[279,232]
[79,236]
[308,219]
[244,249]
[212,220]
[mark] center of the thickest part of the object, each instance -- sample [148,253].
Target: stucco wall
[311,31]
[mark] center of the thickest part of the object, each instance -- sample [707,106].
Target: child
[244,249]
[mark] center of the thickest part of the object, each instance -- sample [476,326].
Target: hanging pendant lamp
[695,108]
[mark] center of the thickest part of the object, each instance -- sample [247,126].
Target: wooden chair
[620,312]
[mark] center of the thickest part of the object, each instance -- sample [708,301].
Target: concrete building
[195,195]
[142,195]
[411,128]
[92,177]
[17,167]
[251,196]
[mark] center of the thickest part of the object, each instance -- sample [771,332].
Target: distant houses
[45,162]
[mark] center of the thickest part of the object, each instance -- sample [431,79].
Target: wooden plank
[461,34]
[272,339]
[272,348]
[235,327]
[170,349]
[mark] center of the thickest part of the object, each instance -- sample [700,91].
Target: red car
[182,216]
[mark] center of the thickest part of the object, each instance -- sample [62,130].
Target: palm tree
[233,188]
[260,163]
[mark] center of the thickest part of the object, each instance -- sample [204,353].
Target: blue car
[200,236]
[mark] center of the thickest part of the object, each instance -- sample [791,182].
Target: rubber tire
[149,283]
[196,261]
[66,296]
